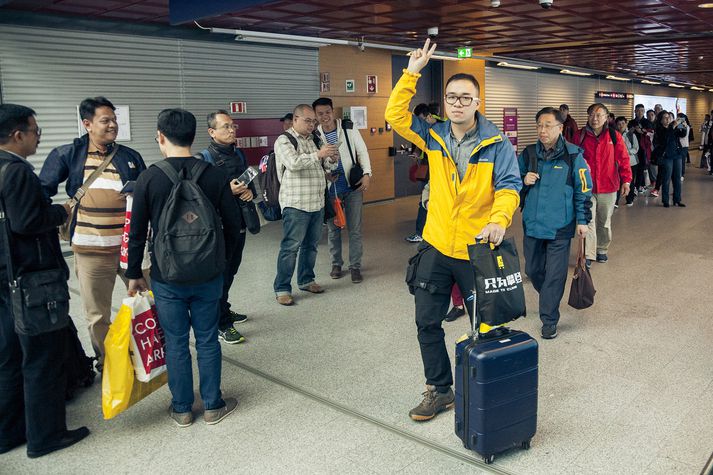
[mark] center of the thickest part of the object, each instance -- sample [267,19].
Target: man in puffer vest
[474,181]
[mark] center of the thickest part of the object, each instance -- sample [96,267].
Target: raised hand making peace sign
[419,58]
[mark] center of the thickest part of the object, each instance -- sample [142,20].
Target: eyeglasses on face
[602,115]
[465,101]
[307,121]
[226,127]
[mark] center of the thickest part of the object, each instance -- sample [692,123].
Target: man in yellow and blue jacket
[475,184]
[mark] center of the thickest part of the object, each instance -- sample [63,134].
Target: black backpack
[188,245]
[78,366]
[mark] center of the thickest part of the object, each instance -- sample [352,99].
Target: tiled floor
[325,386]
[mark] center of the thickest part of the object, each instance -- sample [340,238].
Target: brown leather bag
[65,230]
[581,293]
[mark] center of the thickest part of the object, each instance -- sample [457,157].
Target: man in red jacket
[608,159]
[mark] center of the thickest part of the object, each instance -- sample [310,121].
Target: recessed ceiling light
[700,57]
[705,5]
[517,66]
[646,81]
[574,73]
[696,88]
[675,85]
[710,90]
[616,78]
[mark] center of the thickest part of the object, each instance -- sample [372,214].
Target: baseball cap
[287,116]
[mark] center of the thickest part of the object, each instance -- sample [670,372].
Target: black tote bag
[500,295]
[581,293]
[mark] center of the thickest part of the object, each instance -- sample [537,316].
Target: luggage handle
[476,319]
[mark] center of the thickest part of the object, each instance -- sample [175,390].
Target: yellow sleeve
[398,113]
[504,206]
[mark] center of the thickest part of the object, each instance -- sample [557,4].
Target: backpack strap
[169,171]
[531,157]
[206,156]
[292,139]
[198,170]
[349,145]
[612,134]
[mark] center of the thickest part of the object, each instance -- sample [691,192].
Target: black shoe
[679,204]
[602,258]
[549,332]
[237,317]
[665,205]
[70,437]
[588,263]
[6,448]
[455,314]
[230,336]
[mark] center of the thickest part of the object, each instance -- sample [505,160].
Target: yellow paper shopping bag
[120,389]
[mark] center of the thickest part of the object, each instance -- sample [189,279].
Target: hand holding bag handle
[65,231]
[582,291]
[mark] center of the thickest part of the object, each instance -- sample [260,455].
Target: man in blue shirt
[556,203]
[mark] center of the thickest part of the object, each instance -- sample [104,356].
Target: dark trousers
[231,269]
[547,266]
[32,383]
[435,277]
[670,172]
[421,219]
[632,188]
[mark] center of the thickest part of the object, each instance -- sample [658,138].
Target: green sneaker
[237,317]
[230,336]
[433,403]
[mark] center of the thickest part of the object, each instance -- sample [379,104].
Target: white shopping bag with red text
[147,340]
[124,251]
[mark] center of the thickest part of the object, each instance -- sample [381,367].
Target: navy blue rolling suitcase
[496,391]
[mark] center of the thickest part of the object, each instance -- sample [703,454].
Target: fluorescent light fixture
[616,78]
[705,5]
[710,90]
[574,73]
[696,88]
[307,44]
[646,81]
[505,64]
[439,56]
[676,85]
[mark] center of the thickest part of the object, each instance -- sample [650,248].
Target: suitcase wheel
[526,445]
[488,459]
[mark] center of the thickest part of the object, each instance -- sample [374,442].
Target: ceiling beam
[183,11]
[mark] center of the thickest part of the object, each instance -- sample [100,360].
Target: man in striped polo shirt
[98,223]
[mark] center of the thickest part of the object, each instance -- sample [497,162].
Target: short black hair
[639,106]
[550,110]
[464,77]
[178,125]
[322,101]
[422,109]
[89,106]
[435,108]
[13,117]
[620,118]
[650,110]
[211,117]
[595,106]
[564,106]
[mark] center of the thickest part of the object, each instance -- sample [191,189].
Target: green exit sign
[465,52]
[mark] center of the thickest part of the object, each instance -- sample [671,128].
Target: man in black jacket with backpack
[194,219]
[32,376]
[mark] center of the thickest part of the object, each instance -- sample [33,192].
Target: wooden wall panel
[347,62]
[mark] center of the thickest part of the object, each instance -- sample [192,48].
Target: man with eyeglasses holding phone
[474,181]
[223,153]
[608,158]
[301,166]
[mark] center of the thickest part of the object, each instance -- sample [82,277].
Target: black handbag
[498,282]
[250,216]
[39,299]
[581,293]
[356,172]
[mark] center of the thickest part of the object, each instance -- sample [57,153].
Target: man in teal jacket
[556,204]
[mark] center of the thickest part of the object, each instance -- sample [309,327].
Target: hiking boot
[68,438]
[356,276]
[237,317]
[549,332]
[414,238]
[433,403]
[230,336]
[679,204]
[602,258]
[455,314]
[285,299]
[336,272]
[213,416]
[182,419]
[314,288]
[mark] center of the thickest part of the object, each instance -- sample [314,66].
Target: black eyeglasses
[465,101]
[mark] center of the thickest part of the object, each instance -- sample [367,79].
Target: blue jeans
[302,231]
[670,171]
[180,308]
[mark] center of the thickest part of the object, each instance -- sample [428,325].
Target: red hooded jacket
[608,163]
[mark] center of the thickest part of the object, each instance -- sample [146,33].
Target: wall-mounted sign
[358,116]
[510,125]
[465,52]
[324,82]
[123,120]
[350,85]
[371,85]
[613,95]
[238,107]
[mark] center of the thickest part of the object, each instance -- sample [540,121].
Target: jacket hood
[484,128]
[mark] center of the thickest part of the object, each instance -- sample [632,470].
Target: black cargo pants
[430,277]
